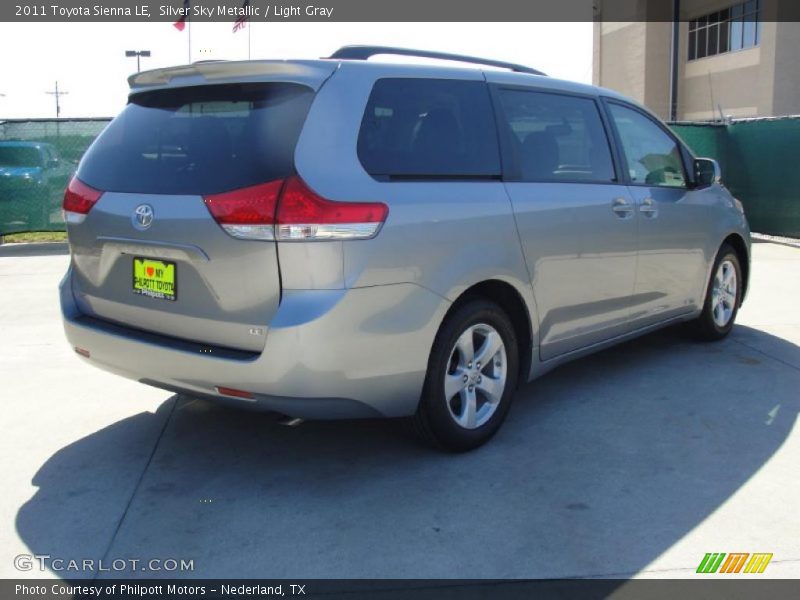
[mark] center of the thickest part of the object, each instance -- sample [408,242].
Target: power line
[58,95]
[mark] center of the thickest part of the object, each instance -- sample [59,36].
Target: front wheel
[471,379]
[723,297]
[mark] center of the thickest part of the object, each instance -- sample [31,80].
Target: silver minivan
[345,238]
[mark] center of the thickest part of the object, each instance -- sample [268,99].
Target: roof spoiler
[365,52]
[310,73]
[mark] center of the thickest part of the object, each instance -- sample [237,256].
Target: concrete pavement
[633,462]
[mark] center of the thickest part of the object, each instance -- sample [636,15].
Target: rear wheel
[723,296]
[472,375]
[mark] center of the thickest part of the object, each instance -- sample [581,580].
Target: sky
[88,59]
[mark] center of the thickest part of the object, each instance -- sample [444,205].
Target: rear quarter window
[199,140]
[428,129]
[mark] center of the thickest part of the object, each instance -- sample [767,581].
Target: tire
[446,419]
[722,299]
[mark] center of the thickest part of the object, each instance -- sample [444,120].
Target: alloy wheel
[723,293]
[476,376]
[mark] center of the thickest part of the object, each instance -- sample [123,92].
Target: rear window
[429,128]
[199,140]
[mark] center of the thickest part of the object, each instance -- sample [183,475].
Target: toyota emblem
[143,216]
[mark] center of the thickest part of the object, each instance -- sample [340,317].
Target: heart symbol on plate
[150,271]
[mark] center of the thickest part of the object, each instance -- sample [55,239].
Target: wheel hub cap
[723,293]
[476,376]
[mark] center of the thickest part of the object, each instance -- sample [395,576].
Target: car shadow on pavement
[602,465]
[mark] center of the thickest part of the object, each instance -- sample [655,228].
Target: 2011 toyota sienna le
[343,238]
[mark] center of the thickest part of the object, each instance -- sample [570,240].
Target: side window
[652,156]
[557,137]
[429,128]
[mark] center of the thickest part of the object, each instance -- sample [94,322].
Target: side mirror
[52,164]
[706,172]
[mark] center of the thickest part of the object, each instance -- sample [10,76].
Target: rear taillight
[288,210]
[305,215]
[248,213]
[79,199]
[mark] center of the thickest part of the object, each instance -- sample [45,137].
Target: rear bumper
[329,354]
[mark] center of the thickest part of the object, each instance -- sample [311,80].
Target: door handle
[649,208]
[622,208]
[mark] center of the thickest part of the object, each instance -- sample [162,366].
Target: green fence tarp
[757,157]
[37,159]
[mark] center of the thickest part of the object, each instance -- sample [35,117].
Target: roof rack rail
[365,52]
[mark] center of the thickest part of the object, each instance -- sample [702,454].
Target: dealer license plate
[155,278]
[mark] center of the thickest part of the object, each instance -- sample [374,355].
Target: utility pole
[58,95]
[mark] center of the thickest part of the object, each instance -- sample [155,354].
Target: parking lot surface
[633,462]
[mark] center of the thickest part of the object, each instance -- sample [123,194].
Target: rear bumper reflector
[226,391]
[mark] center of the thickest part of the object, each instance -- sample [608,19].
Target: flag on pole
[241,22]
[180,24]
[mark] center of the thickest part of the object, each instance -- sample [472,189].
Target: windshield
[19,156]
[199,140]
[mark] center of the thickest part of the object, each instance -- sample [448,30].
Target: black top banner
[369,10]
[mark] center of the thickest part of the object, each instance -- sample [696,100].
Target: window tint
[199,140]
[557,137]
[652,156]
[429,128]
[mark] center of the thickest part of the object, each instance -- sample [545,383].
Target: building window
[734,28]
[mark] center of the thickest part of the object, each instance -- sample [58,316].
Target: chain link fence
[37,159]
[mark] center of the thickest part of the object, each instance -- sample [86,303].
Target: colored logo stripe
[711,562]
[758,563]
[734,562]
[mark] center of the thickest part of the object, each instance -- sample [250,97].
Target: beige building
[732,59]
